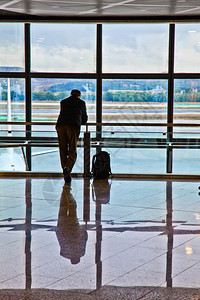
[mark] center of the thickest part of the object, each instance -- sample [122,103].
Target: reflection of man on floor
[72,115]
[72,236]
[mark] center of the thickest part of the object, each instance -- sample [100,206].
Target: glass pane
[137,160]
[131,48]
[46,97]
[45,159]
[187,106]
[12,105]
[11,159]
[48,159]
[66,48]
[186,161]
[187,48]
[11,47]
[135,101]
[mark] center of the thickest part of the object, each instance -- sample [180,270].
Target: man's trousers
[68,139]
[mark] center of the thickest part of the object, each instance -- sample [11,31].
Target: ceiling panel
[103,8]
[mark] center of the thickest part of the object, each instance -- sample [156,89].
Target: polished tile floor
[109,239]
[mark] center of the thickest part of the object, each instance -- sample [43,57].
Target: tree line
[188,95]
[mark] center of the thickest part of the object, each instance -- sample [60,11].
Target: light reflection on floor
[92,235]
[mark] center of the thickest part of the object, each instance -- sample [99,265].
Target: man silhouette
[72,115]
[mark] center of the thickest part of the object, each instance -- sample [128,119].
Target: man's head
[76,93]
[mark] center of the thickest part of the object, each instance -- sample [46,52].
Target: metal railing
[167,141]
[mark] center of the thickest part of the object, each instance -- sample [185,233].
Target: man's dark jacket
[72,112]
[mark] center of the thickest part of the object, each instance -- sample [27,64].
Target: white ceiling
[79,8]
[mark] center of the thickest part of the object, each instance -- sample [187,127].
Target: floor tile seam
[11,197]
[13,258]
[142,209]
[142,197]
[182,255]
[42,276]
[145,208]
[180,195]
[185,205]
[154,249]
[19,274]
[197,263]
[152,184]
[12,207]
[149,207]
[7,244]
[162,192]
[157,218]
[194,248]
[44,198]
[120,205]
[139,206]
[185,210]
[136,245]
[44,246]
[136,268]
[184,242]
[12,184]
[198,196]
[3,208]
[44,264]
[133,195]
[46,219]
[72,274]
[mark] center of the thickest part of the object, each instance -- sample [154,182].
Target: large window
[128,79]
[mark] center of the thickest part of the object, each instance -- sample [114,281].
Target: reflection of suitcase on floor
[101,165]
[101,191]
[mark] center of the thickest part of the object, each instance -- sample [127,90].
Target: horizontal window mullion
[186,75]
[63,75]
[135,76]
[12,74]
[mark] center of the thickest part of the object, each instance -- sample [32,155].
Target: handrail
[108,124]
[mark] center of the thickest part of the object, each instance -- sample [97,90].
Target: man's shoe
[67,175]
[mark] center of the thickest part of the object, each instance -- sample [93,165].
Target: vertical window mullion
[99,80]
[170,96]
[28,90]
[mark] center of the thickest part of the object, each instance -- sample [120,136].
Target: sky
[126,47]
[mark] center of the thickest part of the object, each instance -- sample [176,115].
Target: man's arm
[84,114]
